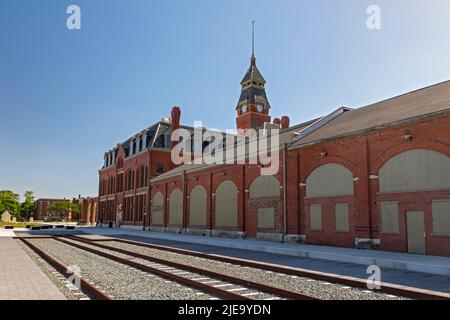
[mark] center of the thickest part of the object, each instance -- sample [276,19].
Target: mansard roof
[253,86]
[253,73]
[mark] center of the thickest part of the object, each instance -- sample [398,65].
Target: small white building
[6,216]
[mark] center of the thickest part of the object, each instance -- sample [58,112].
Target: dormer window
[159,168]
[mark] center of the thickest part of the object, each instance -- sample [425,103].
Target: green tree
[10,201]
[64,207]
[75,208]
[61,206]
[28,206]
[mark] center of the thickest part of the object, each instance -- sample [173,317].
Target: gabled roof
[411,106]
[314,125]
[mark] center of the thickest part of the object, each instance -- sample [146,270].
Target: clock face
[260,108]
[244,108]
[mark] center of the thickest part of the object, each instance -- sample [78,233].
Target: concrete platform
[397,261]
[21,278]
[6,232]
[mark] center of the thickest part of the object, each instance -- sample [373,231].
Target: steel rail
[218,292]
[388,288]
[61,268]
[246,283]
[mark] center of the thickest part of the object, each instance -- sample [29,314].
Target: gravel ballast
[115,279]
[315,288]
[242,290]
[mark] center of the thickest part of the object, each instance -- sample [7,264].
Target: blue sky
[68,96]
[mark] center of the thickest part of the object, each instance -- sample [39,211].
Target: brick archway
[428,144]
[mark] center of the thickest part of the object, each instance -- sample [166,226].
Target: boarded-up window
[441,217]
[176,207]
[264,186]
[341,217]
[329,180]
[226,205]
[266,218]
[158,209]
[415,170]
[315,217]
[197,206]
[389,217]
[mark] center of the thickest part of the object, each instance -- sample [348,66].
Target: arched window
[415,170]
[176,208]
[265,188]
[329,180]
[157,210]
[197,206]
[226,205]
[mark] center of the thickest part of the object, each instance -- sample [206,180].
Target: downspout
[149,208]
[369,190]
[284,194]
[244,195]
[301,200]
[184,226]
[211,198]
[149,192]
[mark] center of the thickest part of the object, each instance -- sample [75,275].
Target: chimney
[285,122]
[276,121]
[176,115]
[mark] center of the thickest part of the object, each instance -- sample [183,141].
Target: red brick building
[88,213]
[41,206]
[124,178]
[374,176]
[42,212]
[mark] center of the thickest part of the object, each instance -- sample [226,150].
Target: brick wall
[364,155]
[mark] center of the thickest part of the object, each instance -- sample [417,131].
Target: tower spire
[253,107]
[253,39]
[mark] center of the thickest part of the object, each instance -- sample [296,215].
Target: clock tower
[253,106]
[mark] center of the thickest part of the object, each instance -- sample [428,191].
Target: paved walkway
[20,277]
[399,261]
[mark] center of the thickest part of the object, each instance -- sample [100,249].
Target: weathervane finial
[253,38]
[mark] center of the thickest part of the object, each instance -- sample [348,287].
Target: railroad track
[214,283]
[386,288]
[86,286]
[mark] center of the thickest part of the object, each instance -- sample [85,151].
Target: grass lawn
[17,224]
